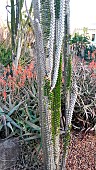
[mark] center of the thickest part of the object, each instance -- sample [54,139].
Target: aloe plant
[7,121]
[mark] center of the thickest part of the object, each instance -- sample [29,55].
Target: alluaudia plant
[50,19]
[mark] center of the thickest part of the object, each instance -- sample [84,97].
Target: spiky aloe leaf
[32,125]
[1,111]
[8,124]
[14,109]
[1,126]
[13,122]
[32,138]
[10,103]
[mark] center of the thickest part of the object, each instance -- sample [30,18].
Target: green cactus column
[13,24]
[56,111]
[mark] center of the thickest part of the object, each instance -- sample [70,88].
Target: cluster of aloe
[6,122]
[20,117]
[84,117]
[19,105]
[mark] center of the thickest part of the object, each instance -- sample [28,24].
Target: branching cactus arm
[44,103]
[43,95]
[45,22]
[56,110]
[40,45]
[58,49]
[73,99]
[51,37]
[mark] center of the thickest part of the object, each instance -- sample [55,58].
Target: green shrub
[5,55]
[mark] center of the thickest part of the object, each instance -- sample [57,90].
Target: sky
[82,13]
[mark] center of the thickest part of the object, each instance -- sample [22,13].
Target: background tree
[17,28]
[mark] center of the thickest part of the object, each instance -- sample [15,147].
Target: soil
[81,155]
[82,152]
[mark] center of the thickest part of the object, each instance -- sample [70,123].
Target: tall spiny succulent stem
[49,85]
[16,29]
[13,25]
[70,91]
[58,48]
[52,35]
[17,16]
[73,99]
[67,59]
[67,79]
[56,110]
[44,104]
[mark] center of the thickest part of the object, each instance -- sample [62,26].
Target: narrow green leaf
[34,90]
[10,103]
[1,111]
[13,122]
[1,126]
[33,125]
[32,138]
[14,109]
[10,126]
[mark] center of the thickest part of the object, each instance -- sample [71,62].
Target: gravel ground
[82,152]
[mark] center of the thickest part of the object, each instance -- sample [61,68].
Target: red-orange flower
[31,65]
[4,95]
[93,55]
[92,64]
[2,81]
[29,74]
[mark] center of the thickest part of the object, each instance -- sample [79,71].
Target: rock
[9,152]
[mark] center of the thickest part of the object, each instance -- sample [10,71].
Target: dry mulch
[82,152]
[81,155]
